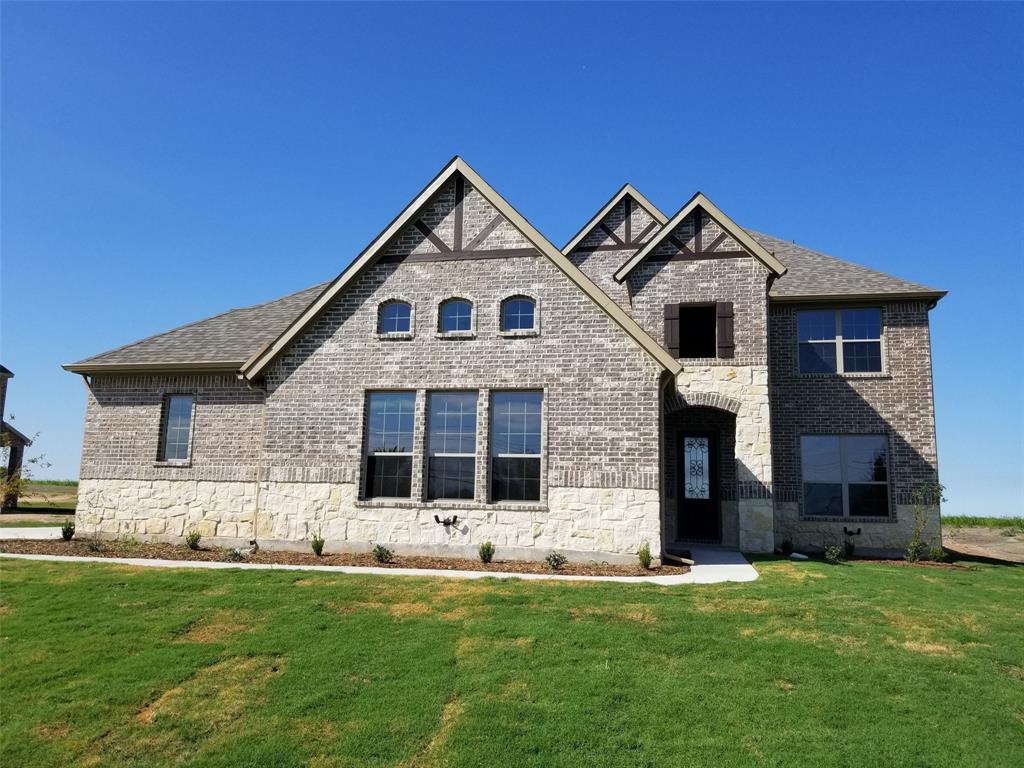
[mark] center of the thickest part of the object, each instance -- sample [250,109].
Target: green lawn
[31,523]
[811,665]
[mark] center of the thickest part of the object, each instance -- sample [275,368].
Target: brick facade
[282,458]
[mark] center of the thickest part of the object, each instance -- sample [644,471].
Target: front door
[699,518]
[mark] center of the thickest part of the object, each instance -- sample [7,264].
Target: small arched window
[455,315]
[394,317]
[518,313]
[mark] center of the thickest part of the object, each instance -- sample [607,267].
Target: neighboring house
[667,380]
[12,440]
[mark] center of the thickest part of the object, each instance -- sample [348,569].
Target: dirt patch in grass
[635,612]
[431,754]
[217,627]
[927,649]
[704,603]
[155,551]
[51,731]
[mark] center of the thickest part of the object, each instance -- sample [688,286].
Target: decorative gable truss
[625,223]
[458,215]
[701,231]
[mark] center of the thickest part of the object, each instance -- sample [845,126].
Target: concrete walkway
[711,567]
[42,532]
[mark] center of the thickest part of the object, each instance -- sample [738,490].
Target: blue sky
[164,162]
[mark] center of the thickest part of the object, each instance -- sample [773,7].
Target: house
[13,441]
[659,379]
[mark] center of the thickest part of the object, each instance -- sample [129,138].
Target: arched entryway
[700,471]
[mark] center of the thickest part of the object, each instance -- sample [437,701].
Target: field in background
[50,495]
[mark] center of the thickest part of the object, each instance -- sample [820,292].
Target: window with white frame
[518,313]
[177,428]
[451,445]
[389,430]
[845,475]
[455,315]
[515,445]
[394,317]
[840,340]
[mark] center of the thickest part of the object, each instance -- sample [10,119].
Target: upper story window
[515,446]
[177,428]
[389,428]
[394,317]
[455,315]
[451,445]
[518,313]
[845,475]
[840,340]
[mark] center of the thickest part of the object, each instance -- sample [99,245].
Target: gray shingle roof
[231,337]
[813,274]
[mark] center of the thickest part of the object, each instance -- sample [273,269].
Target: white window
[394,317]
[845,475]
[177,428]
[840,340]
[389,429]
[515,446]
[451,445]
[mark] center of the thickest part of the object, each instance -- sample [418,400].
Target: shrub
[923,496]
[938,554]
[556,560]
[235,555]
[786,547]
[848,549]
[318,544]
[94,544]
[382,554]
[192,538]
[486,552]
[833,554]
[644,555]
[67,530]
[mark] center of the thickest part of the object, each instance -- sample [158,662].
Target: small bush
[938,554]
[833,554]
[915,549]
[235,555]
[786,547]
[192,538]
[382,554]
[94,544]
[644,555]
[486,552]
[848,549]
[555,561]
[67,530]
[318,544]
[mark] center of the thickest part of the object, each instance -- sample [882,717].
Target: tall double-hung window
[840,340]
[451,445]
[389,436]
[177,428]
[515,445]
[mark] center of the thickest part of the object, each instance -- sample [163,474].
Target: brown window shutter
[672,329]
[726,344]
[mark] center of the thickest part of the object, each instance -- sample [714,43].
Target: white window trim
[846,516]
[520,332]
[837,342]
[165,405]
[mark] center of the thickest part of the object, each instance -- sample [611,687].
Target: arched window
[394,317]
[455,315]
[518,313]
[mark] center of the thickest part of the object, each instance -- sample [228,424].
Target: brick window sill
[453,505]
[873,375]
[456,334]
[518,334]
[184,464]
[394,336]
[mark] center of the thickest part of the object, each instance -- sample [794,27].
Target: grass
[966,521]
[56,483]
[31,523]
[811,665]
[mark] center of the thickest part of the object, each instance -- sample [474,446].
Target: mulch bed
[918,564]
[156,551]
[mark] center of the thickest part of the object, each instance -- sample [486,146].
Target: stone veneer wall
[896,402]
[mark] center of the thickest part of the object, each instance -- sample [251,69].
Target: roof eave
[933,296]
[216,366]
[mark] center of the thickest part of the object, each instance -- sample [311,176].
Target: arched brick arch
[676,401]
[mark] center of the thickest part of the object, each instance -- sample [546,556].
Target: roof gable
[683,234]
[426,228]
[624,221]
